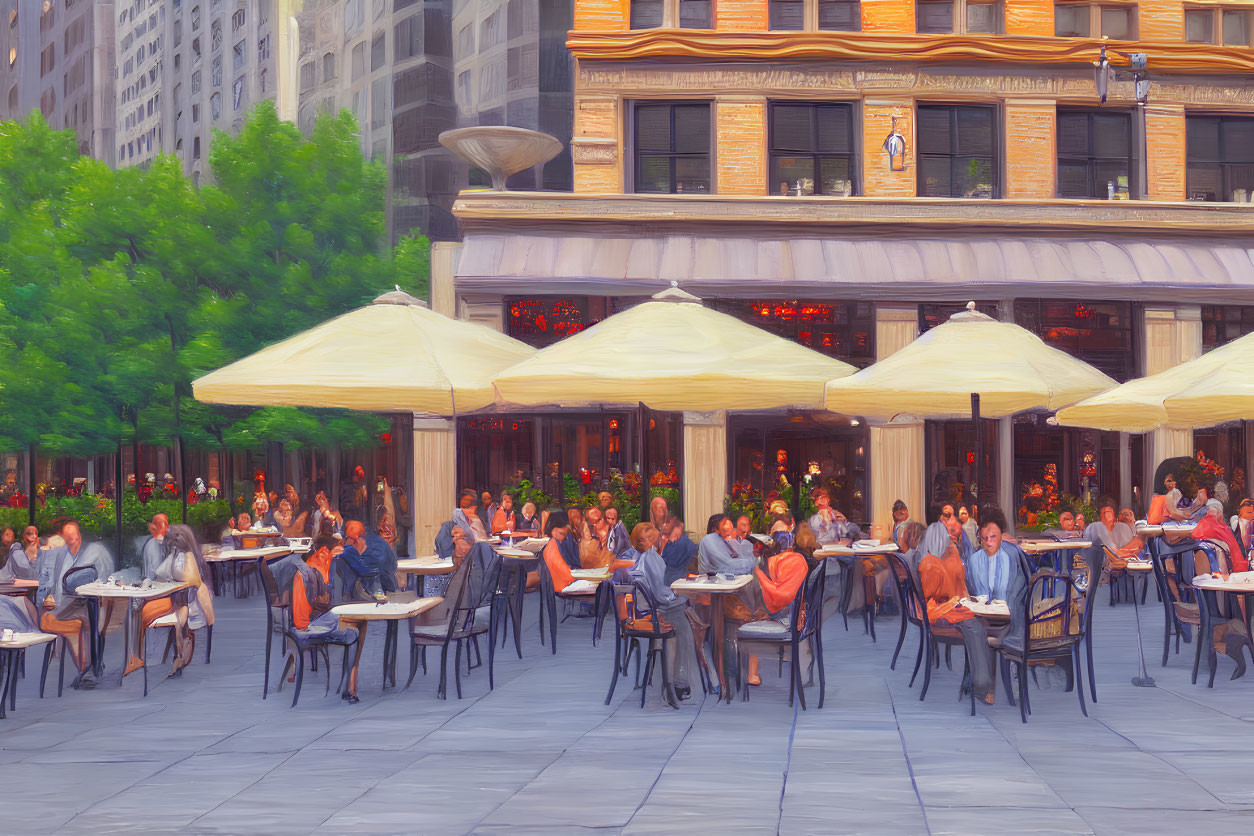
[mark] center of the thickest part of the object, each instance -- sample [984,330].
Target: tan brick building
[739,147]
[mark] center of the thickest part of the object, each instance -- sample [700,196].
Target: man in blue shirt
[369,557]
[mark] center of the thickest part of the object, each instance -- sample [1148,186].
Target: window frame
[670,17]
[1092,159]
[996,158]
[854,154]
[1217,24]
[1095,9]
[1225,166]
[959,22]
[810,17]
[634,174]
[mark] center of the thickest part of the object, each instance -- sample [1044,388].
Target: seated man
[617,541]
[829,525]
[677,550]
[1066,529]
[63,613]
[466,516]
[1120,540]
[153,551]
[370,562]
[505,518]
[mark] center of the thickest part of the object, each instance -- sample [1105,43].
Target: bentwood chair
[1173,572]
[312,641]
[72,580]
[637,620]
[803,624]
[1052,633]
[548,604]
[930,639]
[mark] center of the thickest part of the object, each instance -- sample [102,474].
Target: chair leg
[457,667]
[265,683]
[918,658]
[1197,656]
[1004,664]
[648,672]
[553,626]
[1023,690]
[668,691]
[300,676]
[744,683]
[441,691]
[618,662]
[43,677]
[1079,678]
[927,669]
[65,648]
[542,620]
[949,662]
[413,663]
[1167,638]
[796,675]
[491,657]
[343,672]
[208,642]
[1088,652]
[901,638]
[817,649]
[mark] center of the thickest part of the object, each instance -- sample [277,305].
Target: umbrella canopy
[1202,392]
[391,356]
[1009,367]
[672,354]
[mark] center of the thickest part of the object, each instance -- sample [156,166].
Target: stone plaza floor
[542,754]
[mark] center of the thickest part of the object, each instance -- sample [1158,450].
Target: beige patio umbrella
[672,353]
[393,355]
[971,366]
[1011,370]
[1208,390]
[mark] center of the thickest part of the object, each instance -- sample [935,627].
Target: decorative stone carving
[594,151]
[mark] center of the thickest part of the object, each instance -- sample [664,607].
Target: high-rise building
[848,174]
[140,39]
[59,58]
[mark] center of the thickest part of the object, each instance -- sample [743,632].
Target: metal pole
[30,482]
[118,480]
[642,449]
[979,447]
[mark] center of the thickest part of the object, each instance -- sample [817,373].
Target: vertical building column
[895,458]
[597,147]
[1172,334]
[1164,150]
[444,256]
[705,466]
[1030,147]
[740,145]
[878,178]
[435,478]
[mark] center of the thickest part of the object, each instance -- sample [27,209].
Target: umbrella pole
[979,447]
[641,448]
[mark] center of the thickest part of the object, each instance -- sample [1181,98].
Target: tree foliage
[120,287]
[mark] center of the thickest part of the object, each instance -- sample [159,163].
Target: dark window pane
[984,18]
[935,16]
[975,130]
[835,177]
[1117,24]
[1237,136]
[653,128]
[972,177]
[653,174]
[1199,26]
[1071,21]
[646,14]
[1073,180]
[934,130]
[1073,134]
[1203,182]
[834,128]
[789,173]
[1202,138]
[1112,135]
[692,175]
[692,129]
[788,14]
[934,177]
[840,15]
[1236,28]
[1111,179]
[791,128]
[694,14]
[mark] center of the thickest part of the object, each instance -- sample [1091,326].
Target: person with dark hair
[618,539]
[181,561]
[1165,504]
[557,529]
[1121,542]
[466,515]
[677,550]
[22,557]
[649,572]
[994,570]
[716,552]
[901,516]
[369,559]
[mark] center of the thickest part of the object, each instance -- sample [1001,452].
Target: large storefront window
[1224,323]
[934,314]
[771,454]
[844,330]
[949,447]
[1056,467]
[540,321]
[1099,333]
[1221,453]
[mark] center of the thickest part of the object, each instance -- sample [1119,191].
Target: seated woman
[192,607]
[649,572]
[594,552]
[716,552]
[505,518]
[1120,540]
[22,557]
[287,521]
[324,516]
[557,529]
[1167,499]
[466,516]
[943,582]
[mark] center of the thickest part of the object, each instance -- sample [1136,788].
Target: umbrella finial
[970,305]
[675,294]
[399,297]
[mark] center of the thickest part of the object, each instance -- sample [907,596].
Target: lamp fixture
[895,145]
[1138,62]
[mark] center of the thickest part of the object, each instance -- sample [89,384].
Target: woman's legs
[684,659]
[71,630]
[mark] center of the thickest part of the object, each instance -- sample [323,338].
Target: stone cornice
[489,210]
[1164,56]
